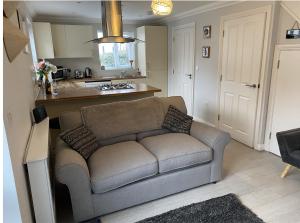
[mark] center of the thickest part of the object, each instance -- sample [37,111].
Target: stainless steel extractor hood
[112,26]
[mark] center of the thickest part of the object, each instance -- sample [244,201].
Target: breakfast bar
[72,95]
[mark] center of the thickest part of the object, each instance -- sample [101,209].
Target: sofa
[137,161]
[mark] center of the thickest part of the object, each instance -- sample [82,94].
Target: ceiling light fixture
[162,7]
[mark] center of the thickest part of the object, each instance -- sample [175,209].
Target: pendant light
[162,7]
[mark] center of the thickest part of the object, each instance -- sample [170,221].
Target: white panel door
[241,64]
[183,65]
[286,111]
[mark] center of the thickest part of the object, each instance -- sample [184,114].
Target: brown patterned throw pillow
[177,121]
[80,139]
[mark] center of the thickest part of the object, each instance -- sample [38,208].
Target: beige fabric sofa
[137,161]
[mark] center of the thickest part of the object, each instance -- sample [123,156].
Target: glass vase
[47,85]
[42,86]
[54,88]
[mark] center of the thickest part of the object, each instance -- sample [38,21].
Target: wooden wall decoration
[14,39]
[9,7]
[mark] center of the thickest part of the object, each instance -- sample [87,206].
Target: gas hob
[120,86]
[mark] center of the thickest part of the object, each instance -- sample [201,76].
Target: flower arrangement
[43,69]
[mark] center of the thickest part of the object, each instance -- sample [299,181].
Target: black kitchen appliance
[61,74]
[88,72]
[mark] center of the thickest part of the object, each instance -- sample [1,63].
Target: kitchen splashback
[82,63]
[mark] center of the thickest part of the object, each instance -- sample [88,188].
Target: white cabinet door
[43,40]
[70,41]
[241,64]
[286,110]
[77,37]
[59,40]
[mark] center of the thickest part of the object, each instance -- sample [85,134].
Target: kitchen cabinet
[153,56]
[77,37]
[43,40]
[70,41]
[59,40]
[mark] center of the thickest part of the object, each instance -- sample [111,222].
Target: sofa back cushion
[117,139]
[108,121]
[176,101]
[70,120]
[125,117]
[156,132]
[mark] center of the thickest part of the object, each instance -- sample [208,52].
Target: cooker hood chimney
[112,26]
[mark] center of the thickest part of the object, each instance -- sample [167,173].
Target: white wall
[11,209]
[18,101]
[207,77]
[285,21]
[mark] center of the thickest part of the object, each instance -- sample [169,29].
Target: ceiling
[133,11]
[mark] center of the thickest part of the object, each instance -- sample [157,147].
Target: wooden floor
[254,176]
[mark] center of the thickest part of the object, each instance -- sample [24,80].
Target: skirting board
[260,147]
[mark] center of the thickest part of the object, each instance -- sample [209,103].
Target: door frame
[262,100]
[278,49]
[188,25]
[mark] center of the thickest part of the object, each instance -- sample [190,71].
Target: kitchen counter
[75,91]
[74,94]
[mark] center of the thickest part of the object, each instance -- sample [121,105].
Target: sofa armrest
[215,139]
[209,135]
[71,169]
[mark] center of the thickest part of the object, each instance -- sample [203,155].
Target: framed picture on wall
[294,32]
[206,51]
[206,32]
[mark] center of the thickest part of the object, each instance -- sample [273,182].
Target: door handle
[250,85]
[189,75]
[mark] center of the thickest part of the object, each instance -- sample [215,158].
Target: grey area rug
[223,209]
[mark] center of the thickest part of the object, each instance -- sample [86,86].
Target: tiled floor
[252,175]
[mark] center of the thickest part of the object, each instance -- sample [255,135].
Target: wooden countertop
[73,90]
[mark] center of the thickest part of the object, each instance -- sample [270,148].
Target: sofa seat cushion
[120,164]
[177,150]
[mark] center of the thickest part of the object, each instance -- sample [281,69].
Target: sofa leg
[214,182]
[286,170]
